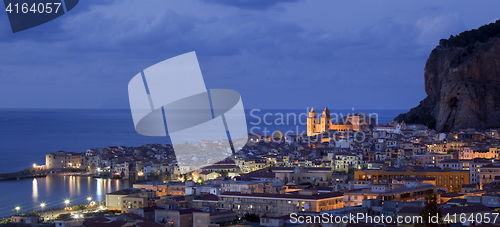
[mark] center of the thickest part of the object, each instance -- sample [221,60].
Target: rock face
[462,86]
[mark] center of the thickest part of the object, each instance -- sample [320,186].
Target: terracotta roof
[410,210]
[153,208]
[97,219]
[205,172]
[451,195]
[221,167]
[222,213]
[178,198]
[100,224]
[225,163]
[209,197]
[149,224]
[188,211]
[134,216]
[124,192]
[466,209]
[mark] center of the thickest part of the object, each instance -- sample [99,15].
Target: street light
[89,198]
[66,202]
[17,209]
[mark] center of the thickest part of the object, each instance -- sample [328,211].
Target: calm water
[53,190]
[27,135]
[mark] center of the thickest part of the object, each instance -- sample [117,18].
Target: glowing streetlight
[66,202]
[34,165]
[42,205]
[17,209]
[89,198]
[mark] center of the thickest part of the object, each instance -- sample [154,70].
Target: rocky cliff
[462,86]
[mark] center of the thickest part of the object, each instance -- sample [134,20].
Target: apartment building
[247,166]
[274,205]
[239,186]
[471,165]
[475,166]
[471,152]
[450,180]
[410,191]
[344,162]
[488,172]
[176,189]
[129,198]
[134,202]
[176,217]
[432,159]
[316,176]
[210,217]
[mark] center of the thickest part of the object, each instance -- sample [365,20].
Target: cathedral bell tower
[311,122]
[326,120]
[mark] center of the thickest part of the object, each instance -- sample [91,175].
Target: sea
[27,135]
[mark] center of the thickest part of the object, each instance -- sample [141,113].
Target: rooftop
[283,196]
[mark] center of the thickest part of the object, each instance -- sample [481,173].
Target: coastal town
[335,170]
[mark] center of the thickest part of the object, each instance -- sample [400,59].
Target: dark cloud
[87,58]
[250,4]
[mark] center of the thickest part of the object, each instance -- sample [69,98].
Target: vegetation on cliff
[482,34]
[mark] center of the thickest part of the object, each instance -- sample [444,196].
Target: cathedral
[317,125]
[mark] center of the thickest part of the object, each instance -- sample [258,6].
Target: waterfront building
[63,159]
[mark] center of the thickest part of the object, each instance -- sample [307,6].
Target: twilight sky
[275,53]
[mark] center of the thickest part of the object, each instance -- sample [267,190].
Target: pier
[21,175]
[35,173]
